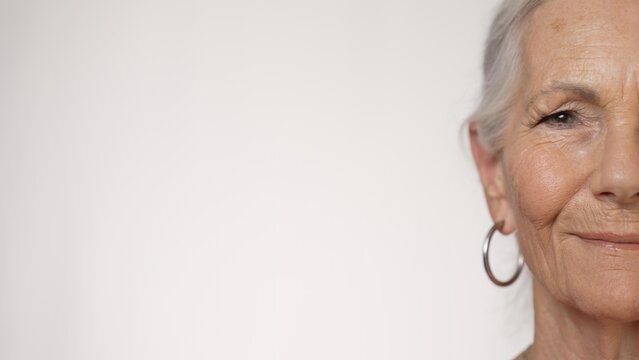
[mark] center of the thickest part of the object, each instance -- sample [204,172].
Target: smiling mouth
[623,241]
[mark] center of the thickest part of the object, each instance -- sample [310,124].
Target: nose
[617,179]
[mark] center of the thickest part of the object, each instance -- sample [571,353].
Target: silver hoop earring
[486,249]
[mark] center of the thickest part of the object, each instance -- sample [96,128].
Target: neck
[563,332]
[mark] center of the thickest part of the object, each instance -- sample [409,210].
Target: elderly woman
[556,143]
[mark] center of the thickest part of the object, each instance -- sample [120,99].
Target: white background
[245,180]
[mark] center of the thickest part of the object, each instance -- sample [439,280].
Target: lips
[611,239]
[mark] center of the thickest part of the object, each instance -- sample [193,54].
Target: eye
[560,119]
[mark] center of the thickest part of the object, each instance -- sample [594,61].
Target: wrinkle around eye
[579,105]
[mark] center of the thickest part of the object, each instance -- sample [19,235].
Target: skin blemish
[558,24]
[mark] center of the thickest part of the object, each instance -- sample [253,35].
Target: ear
[491,174]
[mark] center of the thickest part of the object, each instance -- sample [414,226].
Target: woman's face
[568,177]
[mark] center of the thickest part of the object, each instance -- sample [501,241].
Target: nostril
[619,197]
[608,196]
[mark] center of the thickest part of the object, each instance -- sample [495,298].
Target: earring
[486,249]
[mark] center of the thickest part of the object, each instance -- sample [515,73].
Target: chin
[599,281]
[608,295]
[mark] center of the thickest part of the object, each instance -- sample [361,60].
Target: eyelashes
[560,119]
[569,115]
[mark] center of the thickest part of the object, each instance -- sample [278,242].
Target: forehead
[594,41]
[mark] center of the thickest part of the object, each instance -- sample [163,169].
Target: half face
[568,177]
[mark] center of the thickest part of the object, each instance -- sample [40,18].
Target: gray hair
[502,58]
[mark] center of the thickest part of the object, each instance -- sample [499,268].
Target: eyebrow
[581,91]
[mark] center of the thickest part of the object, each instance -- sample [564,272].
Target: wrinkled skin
[572,173]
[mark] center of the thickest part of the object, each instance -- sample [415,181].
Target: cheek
[541,182]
